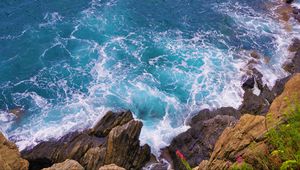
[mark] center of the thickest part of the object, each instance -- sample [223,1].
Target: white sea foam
[214,83]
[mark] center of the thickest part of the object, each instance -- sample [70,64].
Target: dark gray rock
[197,143]
[249,83]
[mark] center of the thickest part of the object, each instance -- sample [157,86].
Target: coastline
[210,124]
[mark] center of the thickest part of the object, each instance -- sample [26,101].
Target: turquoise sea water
[67,62]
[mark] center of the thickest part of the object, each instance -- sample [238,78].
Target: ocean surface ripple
[65,63]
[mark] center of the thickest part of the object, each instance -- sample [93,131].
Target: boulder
[10,158]
[111,167]
[113,140]
[295,46]
[236,141]
[109,121]
[249,83]
[66,165]
[122,148]
[294,65]
[70,146]
[197,143]
[291,94]
[257,104]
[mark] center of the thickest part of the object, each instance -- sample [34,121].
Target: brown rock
[94,158]
[247,138]
[71,146]
[234,139]
[114,139]
[119,153]
[18,111]
[66,165]
[255,55]
[291,94]
[111,167]
[10,158]
[109,121]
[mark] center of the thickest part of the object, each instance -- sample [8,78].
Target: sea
[64,64]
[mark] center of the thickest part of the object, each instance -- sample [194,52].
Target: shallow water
[66,63]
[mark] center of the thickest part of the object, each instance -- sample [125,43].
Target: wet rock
[111,167]
[256,103]
[249,83]
[255,55]
[295,11]
[294,65]
[197,143]
[253,104]
[295,46]
[114,139]
[279,85]
[18,111]
[66,165]
[10,158]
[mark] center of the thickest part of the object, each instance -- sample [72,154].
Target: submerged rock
[10,158]
[114,140]
[18,111]
[66,165]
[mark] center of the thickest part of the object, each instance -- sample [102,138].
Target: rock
[295,10]
[18,111]
[111,167]
[295,46]
[208,114]
[71,146]
[247,139]
[10,158]
[235,142]
[294,65]
[279,85]
[257,103]
[118,151]
[197,143]
[253,104]
[66,165]
[249,83]
[114,139]
[291,94]
[109,121]
[255,55]
[94,158]
[297,17]
[289,1]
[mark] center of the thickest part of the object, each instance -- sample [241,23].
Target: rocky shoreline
[211,142]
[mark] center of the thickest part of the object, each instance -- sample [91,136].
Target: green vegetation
[285,138]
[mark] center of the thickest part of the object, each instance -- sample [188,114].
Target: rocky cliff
[10,157]
[247,142]
[114,140]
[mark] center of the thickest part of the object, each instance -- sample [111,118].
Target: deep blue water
[67,62]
